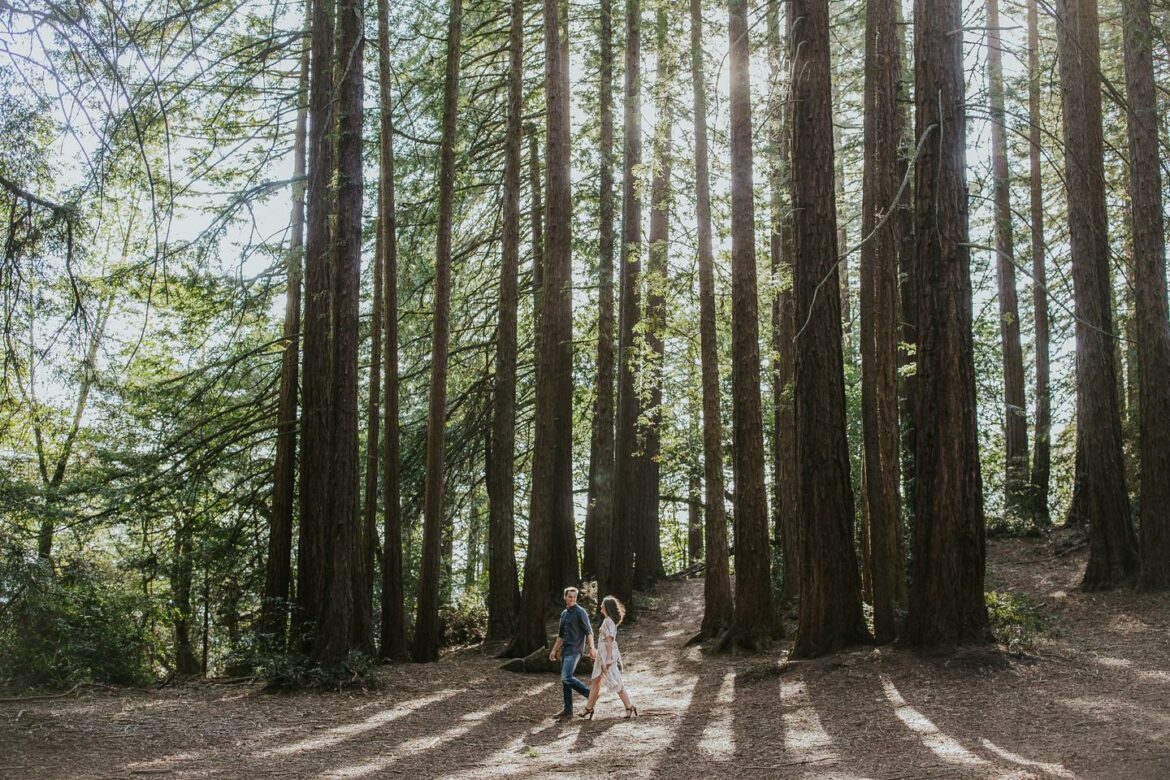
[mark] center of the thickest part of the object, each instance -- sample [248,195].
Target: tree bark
[1016,476]
[1153,320]
[393,644]
[1112,549]
[316,370]
[879,316]
[544,567]
[717,604]
[599,513]
[784,480]
[946,598]
[752,624]
[558,297]
[364,595]
[829,615]
[339,623]
[537,219]
[503,590]
[426,630]
[648,556]
[182,580]
[1042,446]
[278,567]
[620,581]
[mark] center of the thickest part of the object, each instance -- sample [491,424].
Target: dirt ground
[1092,700]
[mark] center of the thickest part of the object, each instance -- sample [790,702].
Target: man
[575,630]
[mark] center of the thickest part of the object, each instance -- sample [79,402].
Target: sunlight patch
[342,733]
[945,747]
[1057,770]
[420,744]
[718,740]
[804,734]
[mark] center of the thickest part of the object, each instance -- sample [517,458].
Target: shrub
[465,621]
[78,625]
[1014,620]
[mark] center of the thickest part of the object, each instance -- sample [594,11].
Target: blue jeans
[569,683]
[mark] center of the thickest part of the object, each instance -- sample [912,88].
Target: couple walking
[574,632]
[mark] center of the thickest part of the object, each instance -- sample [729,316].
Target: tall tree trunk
[426,627]
[752,625]
[907,299]
[1112,549]
[694,516]
[783,327]
[537,226]
[558,304]
[364,595]
[553,441]
[879,315]
[1042,446]
[626,490]
[717,605]
[648,556]
[599,513]
[339,623]
[1015,404]
[316,371]
[393,644]
[503,591]
[277,569]
[829,615]
[1153,322]
[946,599]
[182,581]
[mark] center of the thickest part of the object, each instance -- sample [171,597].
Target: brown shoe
[563,715]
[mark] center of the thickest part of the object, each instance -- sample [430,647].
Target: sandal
[586,714]
[633,710]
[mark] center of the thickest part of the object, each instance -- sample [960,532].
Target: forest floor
[1091,699]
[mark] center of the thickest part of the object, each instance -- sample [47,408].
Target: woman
[607,667]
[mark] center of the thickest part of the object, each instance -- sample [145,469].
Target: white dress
[613,677]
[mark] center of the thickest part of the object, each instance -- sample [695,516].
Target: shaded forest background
[198,221]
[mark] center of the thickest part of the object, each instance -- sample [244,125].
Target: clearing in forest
[1091,699]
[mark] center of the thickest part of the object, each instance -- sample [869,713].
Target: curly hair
[614,609]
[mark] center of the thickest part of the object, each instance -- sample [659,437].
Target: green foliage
[464,622]
[82,624]
[294,672]
[1015,621]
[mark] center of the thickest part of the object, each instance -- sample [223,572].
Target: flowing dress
[612,678]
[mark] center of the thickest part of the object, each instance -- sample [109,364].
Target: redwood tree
[879,314]
[946,597]
[553,380]
[784,494]
[1112,549]
[426,627]
[393,640]
[277,570]
[341,629]
[503,591]
[829,615]
[620,580]
[1015,405]
[648,549]
[316,389]
[752,622]
[1153,321]
[1042,448]
[717,605]
[599,509]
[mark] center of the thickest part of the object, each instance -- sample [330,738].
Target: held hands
[593,653]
